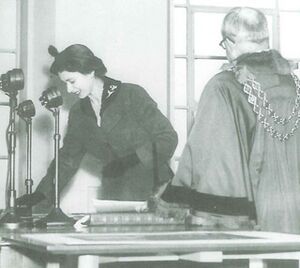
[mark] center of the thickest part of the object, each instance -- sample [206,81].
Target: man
[241,158]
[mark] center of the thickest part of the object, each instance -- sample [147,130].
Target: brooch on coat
[111,90]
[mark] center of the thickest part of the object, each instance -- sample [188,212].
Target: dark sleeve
[70,156]
[156,124]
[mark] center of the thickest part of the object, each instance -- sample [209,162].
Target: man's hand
[165,209]
[170,210]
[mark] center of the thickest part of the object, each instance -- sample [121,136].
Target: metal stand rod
[26,111]
[9,217]
[29,181]
[56,150]
[12,152]
[25,212]
[56,216]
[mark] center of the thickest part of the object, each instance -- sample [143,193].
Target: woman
[116,122]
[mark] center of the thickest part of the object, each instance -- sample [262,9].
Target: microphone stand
[9,217]
[26,111]
[10,83]
[56,217]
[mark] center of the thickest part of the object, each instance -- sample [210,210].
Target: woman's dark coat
[131,125]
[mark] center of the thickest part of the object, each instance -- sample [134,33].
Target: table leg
[88,261]
[53,265]
[257,263]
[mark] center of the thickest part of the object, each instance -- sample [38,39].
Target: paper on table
[119,206]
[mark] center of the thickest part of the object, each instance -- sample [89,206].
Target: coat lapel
[110,112]
[87,109]
[110,91]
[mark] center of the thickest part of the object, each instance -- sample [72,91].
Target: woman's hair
[76,58]
[246,23]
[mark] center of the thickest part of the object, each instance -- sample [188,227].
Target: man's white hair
[246,23]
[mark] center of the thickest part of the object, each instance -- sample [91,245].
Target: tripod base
[9,219]
[25,215]
[56,217]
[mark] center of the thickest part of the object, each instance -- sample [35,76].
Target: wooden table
[92,246]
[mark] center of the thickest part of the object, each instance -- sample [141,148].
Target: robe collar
[265,67]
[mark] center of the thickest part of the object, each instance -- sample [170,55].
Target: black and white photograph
[149,133]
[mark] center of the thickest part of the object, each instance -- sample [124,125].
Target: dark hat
[75,58]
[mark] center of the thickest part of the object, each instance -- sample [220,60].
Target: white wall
[130,36]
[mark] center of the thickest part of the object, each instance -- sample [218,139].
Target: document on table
[191,238]
[119,206]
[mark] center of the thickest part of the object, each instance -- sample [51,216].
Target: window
[196,55]
[9,59]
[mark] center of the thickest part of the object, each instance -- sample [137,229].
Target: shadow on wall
[84,187]
[42,124]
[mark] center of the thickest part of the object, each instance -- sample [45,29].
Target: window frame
[14,51]
[191,57]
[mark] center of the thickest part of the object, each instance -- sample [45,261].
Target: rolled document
[119,206]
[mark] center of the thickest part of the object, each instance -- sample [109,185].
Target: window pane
[4,118]
[233,3]
[289,4]
[180,81]
[290,44]
[8,13]
[179,31]
[207,38]
[204,71]
[179,2]
[3,175]
[8,62]
[180,125]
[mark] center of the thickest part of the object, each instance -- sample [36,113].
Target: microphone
[51,98]
[13,80]
[26,109]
